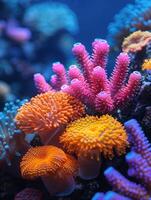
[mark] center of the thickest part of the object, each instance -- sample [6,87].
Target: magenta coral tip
[41,84]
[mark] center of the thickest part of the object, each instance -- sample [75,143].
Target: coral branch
[139,141]
[119,73]
[139,168]
[103,102]
[84,59]
[123,185]
[99,80]
[100,52]
[128,92]
[88,82]
[60,72]
[75,73]
[41,84]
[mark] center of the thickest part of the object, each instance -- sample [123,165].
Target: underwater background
[75,100]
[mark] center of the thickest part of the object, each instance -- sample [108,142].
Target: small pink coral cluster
[90,83]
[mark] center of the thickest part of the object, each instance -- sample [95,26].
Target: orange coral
[47,111]
[146,65]
[92,135]
[47,160]
[41,161]
[136,41]
[54,167]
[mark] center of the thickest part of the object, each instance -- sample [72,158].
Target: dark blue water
[94,17]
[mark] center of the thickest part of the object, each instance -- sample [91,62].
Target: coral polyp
[92,137]
[38,162]
[146,65]
[46,112]
[56,168]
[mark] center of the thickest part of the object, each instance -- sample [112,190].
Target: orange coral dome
[47,161]
[136,41]
[146,65]
[92,135]
[47,111]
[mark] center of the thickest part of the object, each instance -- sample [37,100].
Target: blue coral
[8,130]
[110,195]
[49,17]
[131,18]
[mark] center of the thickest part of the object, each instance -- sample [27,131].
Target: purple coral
[90,83]
[123,185]
[139,162]
[139,168]
[138,140]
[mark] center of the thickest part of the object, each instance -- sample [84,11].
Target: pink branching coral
[89,83]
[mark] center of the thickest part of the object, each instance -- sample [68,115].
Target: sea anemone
[146,65]
[136,41]
[47,112]
[56,168]
[29,194]
[91,136]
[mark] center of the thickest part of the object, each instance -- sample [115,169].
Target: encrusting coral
[90,84]
[92,137]
[139,162]
[146,65]
[136,16]
[56,168]
[46,113]
[136,41]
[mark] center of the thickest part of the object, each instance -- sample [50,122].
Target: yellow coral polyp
[146,65]
[92,136]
